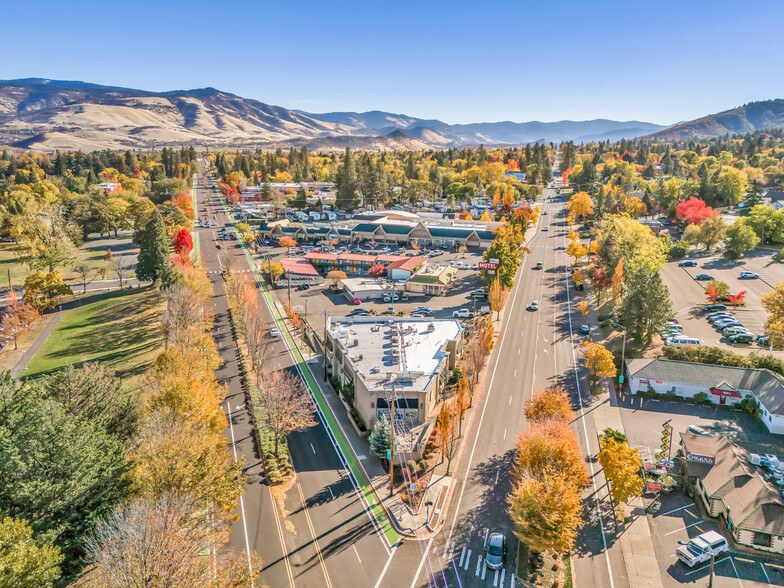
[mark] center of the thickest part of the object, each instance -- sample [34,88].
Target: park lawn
[119,329]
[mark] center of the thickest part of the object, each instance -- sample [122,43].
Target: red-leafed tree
[693,211]
[601,281]
[738,298]
[183,241]
[377,270]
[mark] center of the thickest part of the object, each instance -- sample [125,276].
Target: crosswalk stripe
[495,578]
[478,563]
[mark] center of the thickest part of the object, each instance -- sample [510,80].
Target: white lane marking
[242,502]
[498,473]
[495,578]
[504,433]
[736,572]
[468,560]
[330,492]
[421,563]
[503,573]
[484,543]
[515,374]
[462,557]
[511,581]
[686,527]
[356,553]
[510,401]
[478,563]
[484,571]
[764,572]
[389,561]
[545,349]
[676,510]
[313,449]
[518,352]
[702,568]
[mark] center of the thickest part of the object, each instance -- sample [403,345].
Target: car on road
[703,277]
[701,548]
[495,555]
[687,263]
[462,313]
[423,309]
[584,329]
[539,265]
[274,332]
[359,312]
[545,228]
[714,307]
[534,305]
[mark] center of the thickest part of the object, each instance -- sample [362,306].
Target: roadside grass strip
[334,430]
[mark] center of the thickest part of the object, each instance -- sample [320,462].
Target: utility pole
[710,579]
[324,351]
[392,412]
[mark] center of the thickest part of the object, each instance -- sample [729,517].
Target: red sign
[487,265]
[727,393]
[653,486]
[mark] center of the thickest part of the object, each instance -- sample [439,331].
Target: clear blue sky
[456,61]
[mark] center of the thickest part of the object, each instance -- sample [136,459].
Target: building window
[762,539]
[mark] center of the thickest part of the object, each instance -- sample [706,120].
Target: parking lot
[687,294]
[675,517]
[316,300]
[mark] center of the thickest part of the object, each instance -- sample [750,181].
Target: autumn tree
[181,320]
[545,512]
[719,288]
[549,403]
[44,291]
[580,206]
[285,405]
[45,237]
[693,211]
[377,270]
[462,402]
[584,308]
[335,276]
[498,296]
[447,434]
[26,560]
[18,317]
[183,242]
[599,361]
[601,281]
[273,270]
[286,242]
[621,465]
[121,266]
[617,281]
[774,303]
[577,250]
[740,237]
[172,539]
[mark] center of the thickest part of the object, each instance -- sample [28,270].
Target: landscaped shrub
[701,398]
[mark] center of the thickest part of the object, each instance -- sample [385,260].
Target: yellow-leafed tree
[599,360]
[621,465]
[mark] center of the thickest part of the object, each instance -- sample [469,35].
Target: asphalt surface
[327,537]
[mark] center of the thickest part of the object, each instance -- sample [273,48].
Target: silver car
[496,551]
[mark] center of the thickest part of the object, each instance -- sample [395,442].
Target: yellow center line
[313,533]
[282,542]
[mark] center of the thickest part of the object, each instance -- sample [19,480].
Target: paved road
[328,539]
[537,349]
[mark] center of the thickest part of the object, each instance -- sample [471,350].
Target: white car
[701,548]
[534,305]
[462,313]
[274,332]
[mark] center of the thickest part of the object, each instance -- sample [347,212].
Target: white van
[682,340]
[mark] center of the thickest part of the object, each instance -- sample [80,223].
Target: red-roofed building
[402,269]
[299,271]
[351,263]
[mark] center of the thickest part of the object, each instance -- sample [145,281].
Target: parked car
[687,263]
[697,430]
[359,312]
[462,313]
[584,329]
[741,339]
[701,548]
[720,326]
[460,265]
[703,277]
[748,276]
[727,331]
[495,555]
[539,265]
[545,228]
[478,293]
[714,307]
[474,266]
[674,328]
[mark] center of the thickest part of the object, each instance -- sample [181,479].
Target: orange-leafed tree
[550,403]
[377,270]
[18,318]
[286,242]
[447,434]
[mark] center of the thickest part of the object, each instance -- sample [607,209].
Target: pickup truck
[701,548]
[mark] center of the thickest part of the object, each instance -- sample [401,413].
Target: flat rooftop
[402,352]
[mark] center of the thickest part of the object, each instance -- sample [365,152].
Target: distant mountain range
[47,114]
[754,116]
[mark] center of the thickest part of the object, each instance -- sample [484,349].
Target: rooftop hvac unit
[356,342]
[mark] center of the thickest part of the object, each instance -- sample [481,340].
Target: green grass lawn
[119,329]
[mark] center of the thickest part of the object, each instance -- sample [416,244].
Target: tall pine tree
[153,263]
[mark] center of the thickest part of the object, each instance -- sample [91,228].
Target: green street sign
[620,379]
[389,454]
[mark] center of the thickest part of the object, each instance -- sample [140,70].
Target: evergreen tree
[410,167]
[381,438]
[646,302]
[347,183]
[153,263]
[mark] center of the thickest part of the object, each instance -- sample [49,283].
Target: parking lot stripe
[764,571]
[462,557]
[676,510]
[707,565]
[495,579]
[686,527]
[468,560]
[736,572]
[478,563]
